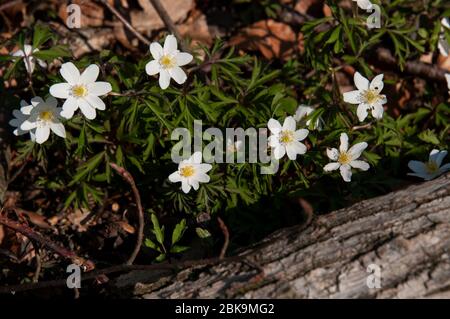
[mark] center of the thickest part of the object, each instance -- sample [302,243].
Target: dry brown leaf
[196,28]
[444,62]
[309,6]
[274,39]
[126,227]
[148,20]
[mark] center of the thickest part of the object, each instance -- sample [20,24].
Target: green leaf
[202,233]
[429,136]
[178,231]
[157,229]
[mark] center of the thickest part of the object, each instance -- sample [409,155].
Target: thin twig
[124,268]
[168,22]
[226,235]
[140,235]
[31,234]
[9,4]
[125,22]
[37,256]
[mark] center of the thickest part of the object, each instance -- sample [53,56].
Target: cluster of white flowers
[38,119]
[82,91]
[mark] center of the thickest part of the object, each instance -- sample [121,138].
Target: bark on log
[406,233]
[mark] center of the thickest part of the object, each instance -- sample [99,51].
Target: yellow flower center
[431,167]
[187,171]
[371,96]
[344,158]
[46,116]
[79,90]
[167,61]
[286,137]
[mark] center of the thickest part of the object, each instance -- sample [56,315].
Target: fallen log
[400,241]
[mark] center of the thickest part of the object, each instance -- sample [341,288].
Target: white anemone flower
[364,4]
[22,114]
[286,139]
[28,58]
[346,158]
[191,172]
[443,44]
[167,62]
[367,96]
[432,168]
[80,91]
[44,117]
[303,111]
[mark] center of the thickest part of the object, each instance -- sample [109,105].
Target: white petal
[51,101]
[279,151]
[58,129]
[43,64]
[361,111]
[301,134]
[178,74]
[164,79]
[183,58]
[70,73]
[417,167]
[377,111]
[87,110]
[360,82]
[60,90]
[360,164]
[377,83]
[27,125]
[302,111]
[29,64]
[352,97]
[152,67]
[331,167]
[274,140]
[291,152]
[90,74]
[203,168]
[444,168]
[36,100]
[332,154]
[356,150]
[175,177]
[156,50]
[364,4]
[194,183]
[42,134]
[295,148]
[274,126]
[344,143]
[203,178]
[447,78]
[95,102]
[99,88]
[437,156]
[289,124]
[170,44]
[196,158]
[69,107]
[346,172]
[19,53]
[185,186]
